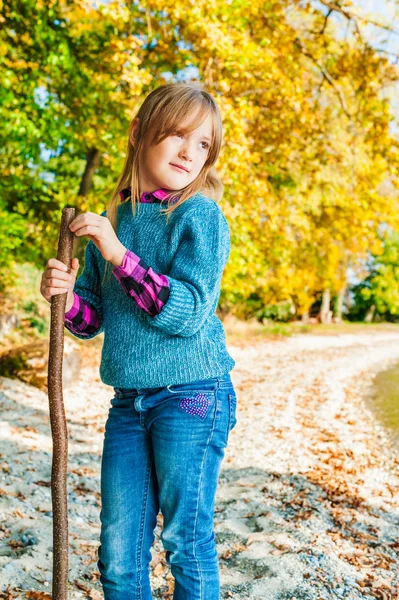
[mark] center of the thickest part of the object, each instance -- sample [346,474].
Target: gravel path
[307,506]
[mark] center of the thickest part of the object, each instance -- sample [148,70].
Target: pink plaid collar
[160,194]
[146,197]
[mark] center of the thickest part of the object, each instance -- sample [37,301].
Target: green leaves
[307,141]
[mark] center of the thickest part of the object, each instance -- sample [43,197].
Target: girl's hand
[58,279]
[100,231]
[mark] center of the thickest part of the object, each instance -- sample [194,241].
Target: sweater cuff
[177,311]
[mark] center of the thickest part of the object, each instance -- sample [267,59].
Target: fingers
[89,230]
[56,288]
[85,219]
[54,263]
[57,279]
[55,291]
[54,285]
[75,265]
[57,264]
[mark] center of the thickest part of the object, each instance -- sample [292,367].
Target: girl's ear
[133,130]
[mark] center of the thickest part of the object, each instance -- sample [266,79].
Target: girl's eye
[181,135]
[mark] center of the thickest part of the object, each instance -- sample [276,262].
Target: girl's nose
[186,152]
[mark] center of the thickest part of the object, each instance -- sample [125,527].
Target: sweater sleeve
[88,288]
[196,272]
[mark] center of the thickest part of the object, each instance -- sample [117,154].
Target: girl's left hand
[100,231]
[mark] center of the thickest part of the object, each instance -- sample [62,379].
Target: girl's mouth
[181,169]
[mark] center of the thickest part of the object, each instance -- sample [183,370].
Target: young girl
[151,283]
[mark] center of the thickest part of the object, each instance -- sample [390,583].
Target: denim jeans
[163,449]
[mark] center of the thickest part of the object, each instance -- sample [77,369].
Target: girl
[151,283]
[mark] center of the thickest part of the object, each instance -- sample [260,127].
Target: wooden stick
[57,419]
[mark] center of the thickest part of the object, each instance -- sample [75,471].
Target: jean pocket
[232,411]
[224,417]
[196,403]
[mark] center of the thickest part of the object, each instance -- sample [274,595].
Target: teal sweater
[186,341]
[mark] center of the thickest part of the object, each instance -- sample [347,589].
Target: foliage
[380,289]
[309,163]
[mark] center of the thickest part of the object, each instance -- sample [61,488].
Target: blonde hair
[159,116]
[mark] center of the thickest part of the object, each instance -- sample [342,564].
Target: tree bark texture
[57,419]
[92,163]
[325,313]
[370,314]
[340,305]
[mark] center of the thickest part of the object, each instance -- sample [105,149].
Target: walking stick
[59,430]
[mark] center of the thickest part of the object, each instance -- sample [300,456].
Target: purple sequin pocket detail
[195,406]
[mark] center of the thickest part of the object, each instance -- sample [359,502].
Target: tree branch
[352,17]
[326,76]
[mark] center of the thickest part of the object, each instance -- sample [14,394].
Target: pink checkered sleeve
[82,317]
[148,289]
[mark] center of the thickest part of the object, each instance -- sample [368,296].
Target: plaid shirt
[148,289]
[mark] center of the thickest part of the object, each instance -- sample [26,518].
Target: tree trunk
[92,163]
[305,317]
[340,305]
[370,314]
[325,312]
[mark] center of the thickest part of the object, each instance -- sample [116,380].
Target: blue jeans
[163,448]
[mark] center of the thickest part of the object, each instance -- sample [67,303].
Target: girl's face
[176,161]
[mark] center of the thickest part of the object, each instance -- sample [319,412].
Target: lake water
[384,399]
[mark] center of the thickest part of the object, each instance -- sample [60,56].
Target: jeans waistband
[223,381]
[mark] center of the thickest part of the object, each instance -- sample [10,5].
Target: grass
[252,332]
[349,327]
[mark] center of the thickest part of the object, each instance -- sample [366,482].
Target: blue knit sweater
[186,341]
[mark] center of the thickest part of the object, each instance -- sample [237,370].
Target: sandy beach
[307,506]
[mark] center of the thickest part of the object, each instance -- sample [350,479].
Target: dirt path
[307,506]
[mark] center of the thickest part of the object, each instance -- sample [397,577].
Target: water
[384,399]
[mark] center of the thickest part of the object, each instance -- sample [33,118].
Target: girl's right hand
[57,280]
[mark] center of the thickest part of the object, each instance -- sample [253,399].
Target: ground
[307,505]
